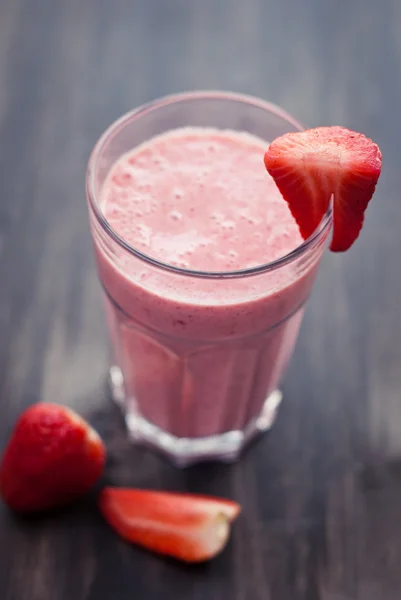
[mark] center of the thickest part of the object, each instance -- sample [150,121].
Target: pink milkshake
[205,276]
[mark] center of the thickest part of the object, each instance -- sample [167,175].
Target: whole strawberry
[52,458]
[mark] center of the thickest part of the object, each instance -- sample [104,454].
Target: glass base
[183,452]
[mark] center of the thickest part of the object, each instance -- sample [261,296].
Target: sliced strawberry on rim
[310,167]
[188,527]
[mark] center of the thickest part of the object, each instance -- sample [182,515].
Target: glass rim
[162,102]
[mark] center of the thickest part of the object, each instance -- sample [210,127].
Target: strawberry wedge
[311,167]
[188,527]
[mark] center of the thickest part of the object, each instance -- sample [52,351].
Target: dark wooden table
[321,493]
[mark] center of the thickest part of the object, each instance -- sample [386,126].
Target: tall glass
[197,356]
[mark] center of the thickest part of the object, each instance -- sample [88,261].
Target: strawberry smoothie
[200,349]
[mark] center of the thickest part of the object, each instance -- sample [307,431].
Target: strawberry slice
[188,527]
[310,167]
[52,458]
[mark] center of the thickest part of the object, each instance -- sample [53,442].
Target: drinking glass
[197,357]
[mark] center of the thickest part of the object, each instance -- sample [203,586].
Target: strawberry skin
[188,527]
[52,458]
[310,167]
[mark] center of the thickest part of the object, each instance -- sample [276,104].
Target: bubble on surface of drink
[178,193]
[228,225]
[175,215]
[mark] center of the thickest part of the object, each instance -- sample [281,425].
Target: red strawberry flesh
[311,167]
[188,527]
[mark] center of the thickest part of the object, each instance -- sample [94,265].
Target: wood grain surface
[321,492]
